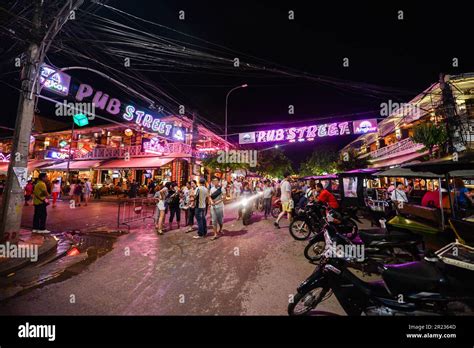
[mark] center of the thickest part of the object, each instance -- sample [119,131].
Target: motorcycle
[310,220]
[439,285]
[380,245]
[276,208]
[247,207]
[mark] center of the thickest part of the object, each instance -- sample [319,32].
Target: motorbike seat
[418,276]
[380,235]
[377,288]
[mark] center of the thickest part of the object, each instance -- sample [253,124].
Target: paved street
[84,217]
[252,270]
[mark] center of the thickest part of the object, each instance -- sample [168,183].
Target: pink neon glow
[303,133]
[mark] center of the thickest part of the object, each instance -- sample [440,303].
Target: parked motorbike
[310,220]
[380,245]
[433,286]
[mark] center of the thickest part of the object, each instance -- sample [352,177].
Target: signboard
[306,133]
[5,157]
[350,186]
[247,138]
[51,154]
[54,81]
[21,174]
[130,113]
[155,145]
[365,126]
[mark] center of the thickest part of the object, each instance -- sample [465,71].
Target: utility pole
[12,207]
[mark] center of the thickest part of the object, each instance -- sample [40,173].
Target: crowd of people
[461,196]
[198,200]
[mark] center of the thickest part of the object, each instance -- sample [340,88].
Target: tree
[273,163]
[214,165]
[349,160]
[323,160]
[430,135]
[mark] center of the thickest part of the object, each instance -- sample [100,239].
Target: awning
[136,163]
[32,165]
[405,172]
[38,164]
[74,165]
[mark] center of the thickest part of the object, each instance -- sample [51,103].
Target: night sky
[382,50]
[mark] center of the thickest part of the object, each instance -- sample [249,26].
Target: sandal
[214,237]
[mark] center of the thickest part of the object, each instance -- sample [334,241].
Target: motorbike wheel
[314,251]
[303,303]
[246,219]
[299,229]
[275,212]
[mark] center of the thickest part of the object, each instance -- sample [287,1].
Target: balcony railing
[400,148]
[133,151]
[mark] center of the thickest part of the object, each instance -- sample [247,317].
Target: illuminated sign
[155,145]
[365,126]
[294,134]
[4,157]
[247,138]
[56,155]
[131,113]
[55,81]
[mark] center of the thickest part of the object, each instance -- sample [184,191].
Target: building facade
[392,144]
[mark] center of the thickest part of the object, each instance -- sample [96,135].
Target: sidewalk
[46,244]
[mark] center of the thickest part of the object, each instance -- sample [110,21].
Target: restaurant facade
[134,143]
[392,145]
[113,153]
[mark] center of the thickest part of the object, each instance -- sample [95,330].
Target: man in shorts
[286,200]
[217,207]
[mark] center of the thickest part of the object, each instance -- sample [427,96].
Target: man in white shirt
[286,201]
[399,195]
[237,188]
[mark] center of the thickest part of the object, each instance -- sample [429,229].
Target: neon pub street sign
[306,133]
[143,119]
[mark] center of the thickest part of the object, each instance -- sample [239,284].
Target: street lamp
[226,102]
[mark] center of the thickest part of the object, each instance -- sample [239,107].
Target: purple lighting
[294,134]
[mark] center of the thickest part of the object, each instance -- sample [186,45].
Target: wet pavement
[251,270]
[62,217]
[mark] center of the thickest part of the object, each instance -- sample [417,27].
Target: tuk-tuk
[460,219]
[446,219]
[348,187]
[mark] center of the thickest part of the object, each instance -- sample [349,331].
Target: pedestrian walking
[87,190]
[77,193]
[237,188]
[217,207]
[173,205]
[28,191]
[286,200]
[192,205]
[56,189]
[202,197]
[184,202]
[268,193]
[160,196]
[40,202]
